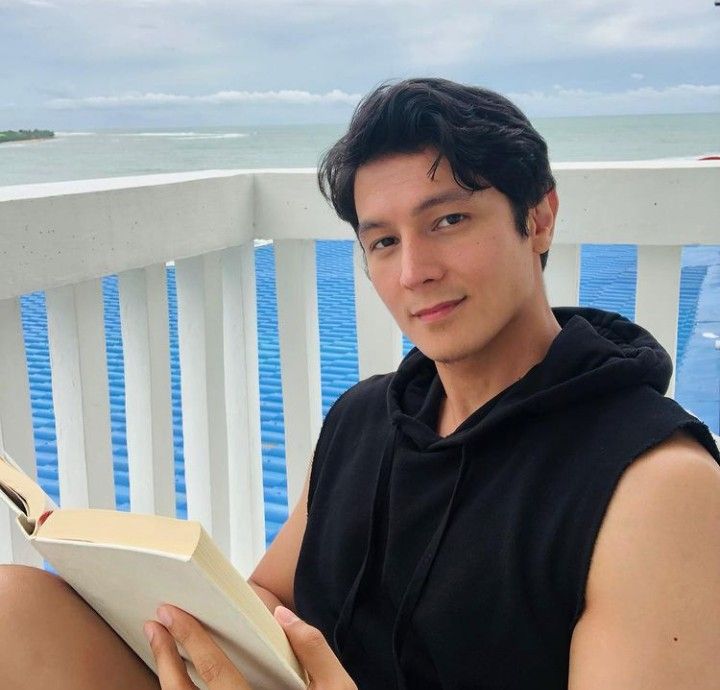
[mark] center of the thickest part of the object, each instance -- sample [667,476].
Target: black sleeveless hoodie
[461,562]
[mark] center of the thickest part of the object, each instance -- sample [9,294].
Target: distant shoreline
[25,135]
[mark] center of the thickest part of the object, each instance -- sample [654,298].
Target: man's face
[449,264]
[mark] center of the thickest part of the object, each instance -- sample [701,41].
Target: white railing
[64,237]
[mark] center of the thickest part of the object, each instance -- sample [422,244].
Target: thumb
[313,651]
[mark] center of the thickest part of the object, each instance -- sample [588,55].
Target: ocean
[112,153]
[608,272]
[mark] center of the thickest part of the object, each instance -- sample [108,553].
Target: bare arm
[652,620]
[274,575]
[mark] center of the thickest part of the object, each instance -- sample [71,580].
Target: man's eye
[451,219]
[382,243]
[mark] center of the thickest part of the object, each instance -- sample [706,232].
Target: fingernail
[284,616]
[149,631]
[163,615]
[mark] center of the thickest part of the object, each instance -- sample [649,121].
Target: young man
[518,506]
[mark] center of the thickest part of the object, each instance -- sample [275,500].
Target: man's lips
[437,311]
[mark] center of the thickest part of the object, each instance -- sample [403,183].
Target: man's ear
[541,221]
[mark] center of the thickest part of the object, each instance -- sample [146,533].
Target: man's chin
[443,355]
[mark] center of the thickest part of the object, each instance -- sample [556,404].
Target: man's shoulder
[371,392]
[355,420]
[681,452]
[666,500]
[679,468]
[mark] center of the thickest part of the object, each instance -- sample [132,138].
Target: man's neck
[471,382]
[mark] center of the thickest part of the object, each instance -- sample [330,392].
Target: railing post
[562,275]
[16,434]
[296,283]
[76,337]
[199,296]
[658,296]
[379,339]
[146,356]
[242,403]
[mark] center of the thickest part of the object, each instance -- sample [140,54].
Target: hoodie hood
[595,353]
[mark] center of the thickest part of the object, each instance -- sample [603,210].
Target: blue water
[608,281]
[110,153]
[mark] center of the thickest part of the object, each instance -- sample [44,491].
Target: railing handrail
[61,233]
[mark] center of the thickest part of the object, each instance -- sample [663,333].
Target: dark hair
[486,139]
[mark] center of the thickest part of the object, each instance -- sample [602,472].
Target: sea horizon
[342,123]
[116,152]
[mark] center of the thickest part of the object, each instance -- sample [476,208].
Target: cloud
[283,96]
[136,99]
[107,62]
[558,100]
[645,27]
[448,40]
[647,99]
[527,31]
[419,31]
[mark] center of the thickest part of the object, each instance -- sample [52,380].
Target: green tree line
[23,134]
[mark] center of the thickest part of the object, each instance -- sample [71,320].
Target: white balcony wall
[63,237]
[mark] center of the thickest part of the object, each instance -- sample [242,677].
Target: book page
[23,494]
[130,530]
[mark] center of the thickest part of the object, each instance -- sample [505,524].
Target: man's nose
[419,262]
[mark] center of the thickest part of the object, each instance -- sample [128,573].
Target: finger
[211,663]
[313,652]
[171,669]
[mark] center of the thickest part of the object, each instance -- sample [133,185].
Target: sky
[79,64]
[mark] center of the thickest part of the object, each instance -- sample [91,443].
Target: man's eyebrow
[424,205]
[369,225]
[442,198]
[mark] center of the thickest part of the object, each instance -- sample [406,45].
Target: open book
[125,565]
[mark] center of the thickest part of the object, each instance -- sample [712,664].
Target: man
[518,506]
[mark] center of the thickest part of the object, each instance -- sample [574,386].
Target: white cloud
[134,56]
[420,30]
[282,96]
[136,99]
[558,100]
[646,99]
[449,40]
[647,25]
[525,31]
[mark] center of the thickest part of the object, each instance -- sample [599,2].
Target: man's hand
[314,653]
[216,670]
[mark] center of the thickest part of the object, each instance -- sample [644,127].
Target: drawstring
[348,608]
[417,581]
